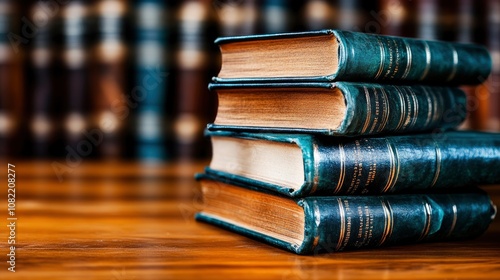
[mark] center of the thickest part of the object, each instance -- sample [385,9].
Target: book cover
[334,55]
[327,224]
[342,108]
[300,165]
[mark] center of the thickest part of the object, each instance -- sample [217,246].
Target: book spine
[491,95]
[42,131]
[352,222]
[244,23]
[11,75]
[149,90]
[404,163]
[353,15]
[74,90]
[317,14]
[396,17]
[192,97]
[109,75]
[392,59]
[376,109]
[275,16]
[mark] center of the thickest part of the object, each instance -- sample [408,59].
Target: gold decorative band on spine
[317,221]
[342,224]
[438,103]
[394,165]
[408,60]
[388,221]
[455,216]
[438,164]
[382,59]
[368,110]
[455,64]
[385,110]
[402,103]
[415,107]
[342,169]
[316,162]
[428,217]
[427,61]
[430,108]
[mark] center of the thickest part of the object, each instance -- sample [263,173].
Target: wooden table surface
[128,221]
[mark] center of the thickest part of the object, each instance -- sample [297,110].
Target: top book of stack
[333,55]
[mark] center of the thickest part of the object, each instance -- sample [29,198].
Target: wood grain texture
[129,221]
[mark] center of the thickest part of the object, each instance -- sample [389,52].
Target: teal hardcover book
[341,108]
[334,55]
[299,165]
[327,224]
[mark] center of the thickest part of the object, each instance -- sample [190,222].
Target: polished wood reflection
[134,221]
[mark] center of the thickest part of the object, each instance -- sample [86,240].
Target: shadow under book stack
[334,140]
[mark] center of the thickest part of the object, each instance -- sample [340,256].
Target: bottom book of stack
[318,224]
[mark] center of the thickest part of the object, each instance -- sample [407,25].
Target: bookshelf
[109,55]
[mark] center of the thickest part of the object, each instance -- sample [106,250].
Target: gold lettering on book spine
[428,217]
[382,59]
[342,215]
[402,106]
[438,164]
[368,110]
[342,158]
[394,167]
[455,64]
[388,221]
[427,61]
[385,110]
[408,60]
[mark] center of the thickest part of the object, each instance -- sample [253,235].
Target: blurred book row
[128,79]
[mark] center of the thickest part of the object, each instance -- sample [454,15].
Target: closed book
[326,224]
[300,165]
[108,74]
[150,84]
[333,55]
[341,108]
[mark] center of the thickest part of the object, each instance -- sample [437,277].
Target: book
[354,15]
[341,108]
[275,16]
[42,113]
[149,89]
[315,224]
[73,27]
[396,17]
[317,14]
[333,55]
[192,99]
[490,95]
[302,164]
[11,78]
[236,17]
[108,75]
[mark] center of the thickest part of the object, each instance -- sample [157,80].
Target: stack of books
[334,140]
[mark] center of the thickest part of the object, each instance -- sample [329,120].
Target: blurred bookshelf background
[125,80]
